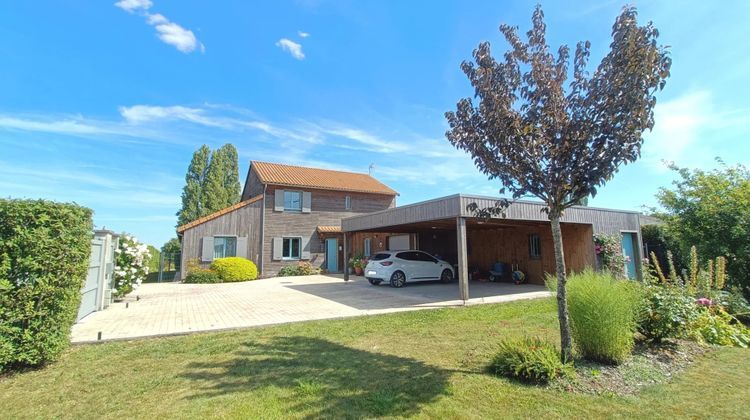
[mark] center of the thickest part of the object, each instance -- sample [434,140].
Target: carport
[521,238]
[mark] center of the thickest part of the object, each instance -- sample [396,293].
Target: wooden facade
[243,222]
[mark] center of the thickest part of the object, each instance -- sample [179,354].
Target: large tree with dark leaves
[558,144]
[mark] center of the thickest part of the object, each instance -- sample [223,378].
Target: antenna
[370,168]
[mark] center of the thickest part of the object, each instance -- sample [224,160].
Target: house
[291,213]
[286,214]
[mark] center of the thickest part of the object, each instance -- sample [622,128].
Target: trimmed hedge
[44,257]
[235,269]
[202,276]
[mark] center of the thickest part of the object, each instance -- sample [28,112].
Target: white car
[398,267]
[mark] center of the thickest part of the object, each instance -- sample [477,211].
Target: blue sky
[103,103]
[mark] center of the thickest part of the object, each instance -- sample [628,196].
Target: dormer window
[292,201]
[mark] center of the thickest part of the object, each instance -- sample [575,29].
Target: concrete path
[175,308]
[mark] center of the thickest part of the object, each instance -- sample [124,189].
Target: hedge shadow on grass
[323,379]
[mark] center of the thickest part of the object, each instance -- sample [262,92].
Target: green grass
[424,364]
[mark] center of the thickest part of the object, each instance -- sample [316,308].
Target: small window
[348,202]
[292,201]
[368,247]
[535,247]
[291,249]
[225,246]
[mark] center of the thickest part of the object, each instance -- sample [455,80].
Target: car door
[428,267]
[407,264]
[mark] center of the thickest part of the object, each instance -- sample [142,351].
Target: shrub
[603,314]
[302,268]
[529,360]
[609,254]
[714,326]
[235,269]
[131,261]
[202,275]
[44,257]
[666,312]
[734,303]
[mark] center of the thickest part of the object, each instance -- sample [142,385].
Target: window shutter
[278,200]
[305,247]
[242,246]
[277,251]
[306,202]
[207,252]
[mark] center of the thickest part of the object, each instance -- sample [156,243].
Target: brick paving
[176,308]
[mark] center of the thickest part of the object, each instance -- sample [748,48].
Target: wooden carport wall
[455,207]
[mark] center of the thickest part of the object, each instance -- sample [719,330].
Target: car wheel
[446,276]
[398,279]
[374,282]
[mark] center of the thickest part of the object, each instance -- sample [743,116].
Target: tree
[711,210]
[171,251]
[212,183]
[559,146]
[222,184]
[192,203]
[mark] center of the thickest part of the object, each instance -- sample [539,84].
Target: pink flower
[704,302]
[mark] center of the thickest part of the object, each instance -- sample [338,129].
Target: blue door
[628,251]
[332,255]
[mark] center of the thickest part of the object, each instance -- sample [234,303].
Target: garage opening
[525,246]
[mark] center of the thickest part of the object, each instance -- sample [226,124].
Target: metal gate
[96,293]
[90,292]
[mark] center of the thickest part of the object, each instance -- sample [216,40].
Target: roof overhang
[457,205]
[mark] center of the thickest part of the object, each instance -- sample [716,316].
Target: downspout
[262,232]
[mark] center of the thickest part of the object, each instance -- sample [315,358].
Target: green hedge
[44,257]
[235,269]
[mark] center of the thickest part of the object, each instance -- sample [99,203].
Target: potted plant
[358,264]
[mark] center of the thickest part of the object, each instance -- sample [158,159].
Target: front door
[628,251]
[332,254]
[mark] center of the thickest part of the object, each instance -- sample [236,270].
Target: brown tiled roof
[221,212]
[324,179]
[329,229]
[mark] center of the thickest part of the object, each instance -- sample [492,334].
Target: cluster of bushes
[695,305]
[44,258]
[607,313]
[132,260]
[222,270]
[302,268]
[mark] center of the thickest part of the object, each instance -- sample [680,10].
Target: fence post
[161,267]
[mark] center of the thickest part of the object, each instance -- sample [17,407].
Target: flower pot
[358,271]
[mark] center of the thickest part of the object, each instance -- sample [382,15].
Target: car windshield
[380,256]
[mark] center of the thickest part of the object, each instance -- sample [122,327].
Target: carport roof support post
[463,270]
[346,257]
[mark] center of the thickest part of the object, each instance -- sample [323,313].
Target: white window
[225,246]
[535,247]
[292,201]
[348,202]
[291,248]
[367,247]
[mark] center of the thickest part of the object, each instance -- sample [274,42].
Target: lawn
[422,363]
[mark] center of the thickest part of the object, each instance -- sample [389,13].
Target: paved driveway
[175,308]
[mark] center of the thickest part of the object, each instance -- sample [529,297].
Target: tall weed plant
[603,313]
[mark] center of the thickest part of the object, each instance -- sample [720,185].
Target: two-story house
[287,214]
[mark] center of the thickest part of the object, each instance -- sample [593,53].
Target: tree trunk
[566,342]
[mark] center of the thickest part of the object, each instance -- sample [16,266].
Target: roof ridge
[313,167]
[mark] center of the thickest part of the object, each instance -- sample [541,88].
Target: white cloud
[303,34]
[291,47]
[686,127]
[134,5]
[156,18]
[168,32]
[177,36]
[138,114]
